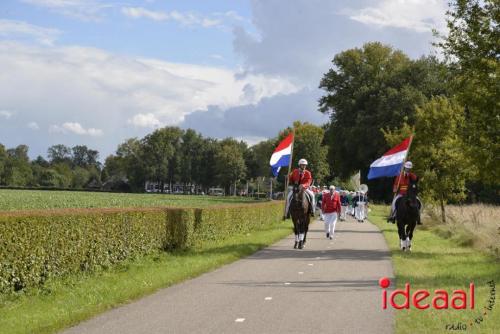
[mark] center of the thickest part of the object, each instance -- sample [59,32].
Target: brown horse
[299,210]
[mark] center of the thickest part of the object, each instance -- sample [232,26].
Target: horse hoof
[301,245]
[295,246]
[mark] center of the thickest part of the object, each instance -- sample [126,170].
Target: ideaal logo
[419,299]
[440,300]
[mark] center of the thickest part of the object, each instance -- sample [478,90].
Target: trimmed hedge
[38,245]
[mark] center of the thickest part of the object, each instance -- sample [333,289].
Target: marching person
[331,210]
[303,177]
[319,199]
[360,201]
[344,202]
[401,183]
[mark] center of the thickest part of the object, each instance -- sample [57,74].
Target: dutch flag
[281,155]
[391,162]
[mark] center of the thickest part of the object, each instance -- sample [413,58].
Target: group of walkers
[336,204]
[333,204]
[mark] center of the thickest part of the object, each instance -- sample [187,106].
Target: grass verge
[66,302]
[439,263]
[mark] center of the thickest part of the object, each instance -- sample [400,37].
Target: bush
[38,245]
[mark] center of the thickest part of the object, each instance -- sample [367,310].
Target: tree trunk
[443,213]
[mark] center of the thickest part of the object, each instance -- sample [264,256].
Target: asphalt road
[328,287]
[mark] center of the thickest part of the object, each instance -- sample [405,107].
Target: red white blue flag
[391,162]
[282,154]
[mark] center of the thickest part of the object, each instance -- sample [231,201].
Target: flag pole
[402,167]
[288,173]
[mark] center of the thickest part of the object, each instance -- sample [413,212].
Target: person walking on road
[319,200]
[344,202]
[331,210]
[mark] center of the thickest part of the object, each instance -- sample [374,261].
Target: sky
[97,72]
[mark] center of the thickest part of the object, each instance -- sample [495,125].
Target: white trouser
[289,198]
[330,221]
[393,205]
[360,211]
[343,211]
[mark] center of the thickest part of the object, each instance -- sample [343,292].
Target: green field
[439,263]
[43,199]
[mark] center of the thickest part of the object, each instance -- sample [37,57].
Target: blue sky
[96,72]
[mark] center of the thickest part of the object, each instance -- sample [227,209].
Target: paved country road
[328,287]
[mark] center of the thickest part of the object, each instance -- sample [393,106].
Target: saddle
[418,200]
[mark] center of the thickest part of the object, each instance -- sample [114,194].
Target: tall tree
[438,150]
[18,170]
[472,48]
[59,153]
[229,163]
[207,176]
[84,157]
[191,158]
[309,145]
[159,154]
[3,160]
[368,89]
[257,158]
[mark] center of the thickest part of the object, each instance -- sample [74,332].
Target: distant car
[216,191]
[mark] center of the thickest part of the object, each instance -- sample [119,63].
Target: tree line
[376,96]
[168,155]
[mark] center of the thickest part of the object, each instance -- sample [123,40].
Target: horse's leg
[308,219]
[295,231]
[411,228]
[301,231]
[401,233]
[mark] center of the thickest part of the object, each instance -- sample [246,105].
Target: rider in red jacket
[400,187]
[303,177]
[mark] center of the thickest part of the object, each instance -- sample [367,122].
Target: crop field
[11,200]
[475,225]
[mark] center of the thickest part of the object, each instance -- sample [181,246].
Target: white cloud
[145,121]
[188,19]
[417,15]
[94,87]
[139,12]
[216,56]
[87,10]
[33,125]
[6,114]
[75,128]
[13,28]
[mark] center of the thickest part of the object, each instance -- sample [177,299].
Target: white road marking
[240,320]
[287,283]
[310,264]
[268,298]
[301,272]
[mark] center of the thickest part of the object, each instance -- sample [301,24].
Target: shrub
[38,245]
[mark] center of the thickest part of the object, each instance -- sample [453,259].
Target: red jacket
[305,180]
[404,183]
[330,203]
